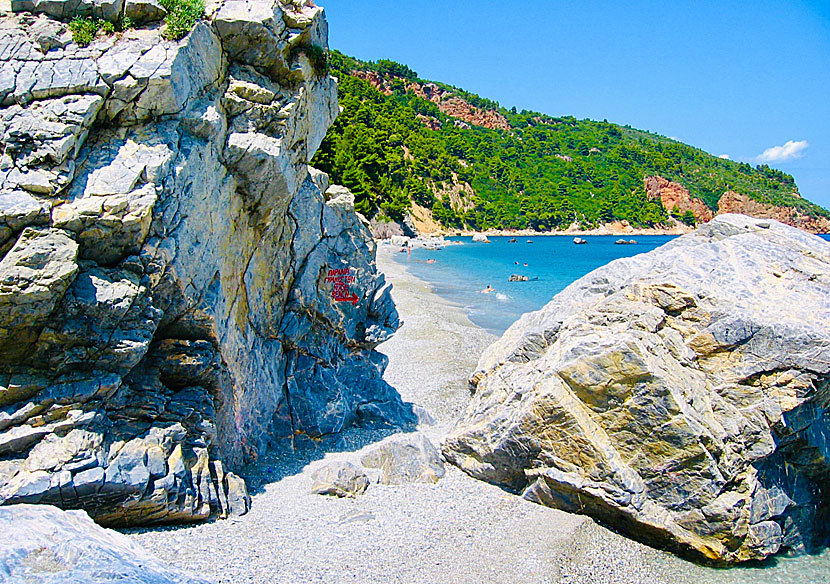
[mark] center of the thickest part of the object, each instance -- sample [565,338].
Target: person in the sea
[488,289]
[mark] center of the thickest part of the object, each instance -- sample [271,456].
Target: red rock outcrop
[428,91]
[732,202]
[460,109]
[449,103]
[672,194]
[374,79]
[429,122]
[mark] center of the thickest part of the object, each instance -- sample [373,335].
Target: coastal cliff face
[449,103]
[178,289]
[732,202]
[679,395]
[675,196]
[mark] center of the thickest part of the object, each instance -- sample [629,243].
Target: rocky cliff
[448,102]
[679,395]
[178,290]
[732,202]
[675,196]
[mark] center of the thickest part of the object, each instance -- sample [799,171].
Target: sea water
[460,271]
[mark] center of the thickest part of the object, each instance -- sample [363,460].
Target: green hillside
[542,173]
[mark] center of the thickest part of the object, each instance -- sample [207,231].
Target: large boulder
[405,458]
[679,396]
[340,479]
[44,545]
[178,291]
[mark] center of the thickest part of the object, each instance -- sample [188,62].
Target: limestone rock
[19,209]
[340,479]
[408,458]
[677,395]
[167,76]
[253,33]
[34,276]
[46,545]
[140,11]
[176,292]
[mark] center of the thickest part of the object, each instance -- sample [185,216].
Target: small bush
[317,55]
[84,30]
[181,17]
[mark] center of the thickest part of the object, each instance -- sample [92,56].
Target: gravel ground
[459,530]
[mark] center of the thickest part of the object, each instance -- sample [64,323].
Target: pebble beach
[459,530]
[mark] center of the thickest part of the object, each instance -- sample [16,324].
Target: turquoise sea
[460,271]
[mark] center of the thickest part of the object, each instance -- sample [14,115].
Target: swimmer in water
[488,289]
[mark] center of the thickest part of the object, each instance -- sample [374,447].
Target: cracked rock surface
[165,308]
[679,396]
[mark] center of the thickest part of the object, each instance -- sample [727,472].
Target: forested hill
[403,146]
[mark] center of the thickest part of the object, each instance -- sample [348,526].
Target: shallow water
[461,271]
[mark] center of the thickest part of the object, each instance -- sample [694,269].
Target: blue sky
[747,79]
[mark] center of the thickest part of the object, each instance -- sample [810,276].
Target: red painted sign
[341,278]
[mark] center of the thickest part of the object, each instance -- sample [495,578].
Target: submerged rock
[177,292]
[680,395]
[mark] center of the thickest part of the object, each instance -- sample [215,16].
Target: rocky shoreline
[458,530]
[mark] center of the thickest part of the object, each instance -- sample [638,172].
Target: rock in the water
[408,458]
[678,395]
[339,478]
[44,545]
[177,293]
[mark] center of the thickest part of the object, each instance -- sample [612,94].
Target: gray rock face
[678,395]
[44,545]
[177,293]
[407,458]
[340,479]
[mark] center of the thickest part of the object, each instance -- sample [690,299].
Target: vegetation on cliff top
[180,19]
[544,173]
